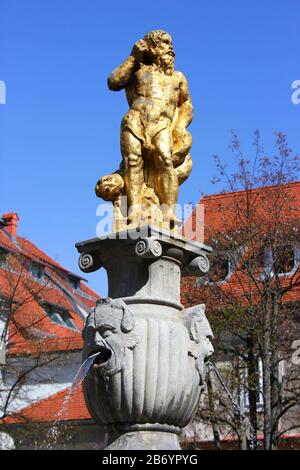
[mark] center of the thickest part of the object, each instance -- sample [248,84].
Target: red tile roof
[29,294]
[219,213]
[61,406]
[221,217]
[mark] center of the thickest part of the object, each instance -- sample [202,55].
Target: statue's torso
[153,98]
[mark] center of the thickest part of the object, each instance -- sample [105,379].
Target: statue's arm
[119,78]
[185,107]
[122,74]
[182,139]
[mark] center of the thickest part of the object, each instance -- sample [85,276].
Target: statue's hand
[138,50]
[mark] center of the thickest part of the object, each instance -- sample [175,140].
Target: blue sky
[60,125]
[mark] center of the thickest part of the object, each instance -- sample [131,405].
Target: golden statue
[155,143]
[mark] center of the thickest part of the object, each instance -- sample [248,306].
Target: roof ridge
[243,191]
[53,263]
[69,293]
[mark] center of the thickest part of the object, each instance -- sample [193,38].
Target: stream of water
[236,408]
[83,370]
[54,433]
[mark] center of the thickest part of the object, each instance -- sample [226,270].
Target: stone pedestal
[145,384]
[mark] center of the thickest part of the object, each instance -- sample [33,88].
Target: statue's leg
[167,181]
[133,174]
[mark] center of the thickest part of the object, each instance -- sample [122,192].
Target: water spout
[102,355]
[83,370]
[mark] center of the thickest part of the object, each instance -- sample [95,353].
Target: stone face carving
[145,384]
[200,334]
[108,329]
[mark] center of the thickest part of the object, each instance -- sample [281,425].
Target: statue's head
[109,330]
[109,187]
[160,49]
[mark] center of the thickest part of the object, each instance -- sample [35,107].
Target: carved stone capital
[199,266]
[148,247]
[88,262]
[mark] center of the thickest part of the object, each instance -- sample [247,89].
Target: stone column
[145,386]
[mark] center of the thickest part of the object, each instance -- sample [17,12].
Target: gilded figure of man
[155,143]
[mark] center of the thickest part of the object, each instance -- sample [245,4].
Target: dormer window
[3,257]
[258,260]
[37,270]
[284,259]
[5,307]
[74,282]
[60,317]
[220,268]
[280,260]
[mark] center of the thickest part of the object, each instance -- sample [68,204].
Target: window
[220,268]
[5,307]
[280,260]
[2,352]
[3,257]
[258,387]
[258,260]
[37,270]
[74,282]
[4,312]
[284,259]
[60,317]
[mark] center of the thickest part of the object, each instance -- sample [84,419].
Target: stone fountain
[144,385]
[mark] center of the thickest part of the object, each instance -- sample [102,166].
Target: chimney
[11,220]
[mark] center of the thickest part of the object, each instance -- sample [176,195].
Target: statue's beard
[166,63]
